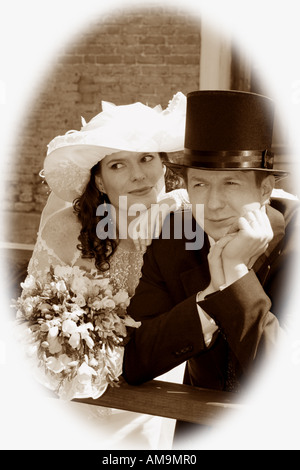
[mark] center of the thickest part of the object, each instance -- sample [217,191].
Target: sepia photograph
[150,228]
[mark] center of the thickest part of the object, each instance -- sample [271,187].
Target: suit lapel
[197,277]
[262,264]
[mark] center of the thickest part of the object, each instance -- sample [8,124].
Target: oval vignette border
[290,102]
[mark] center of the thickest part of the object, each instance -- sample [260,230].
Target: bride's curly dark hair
[85,207]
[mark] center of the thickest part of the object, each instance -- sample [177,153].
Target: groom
[219,308]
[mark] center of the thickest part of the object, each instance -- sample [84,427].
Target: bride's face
[138,176]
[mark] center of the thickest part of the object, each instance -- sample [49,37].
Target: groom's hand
[249,241]
[251,238]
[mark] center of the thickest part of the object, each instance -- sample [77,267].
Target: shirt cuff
[209,326]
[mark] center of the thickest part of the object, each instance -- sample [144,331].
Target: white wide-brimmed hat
[134,128]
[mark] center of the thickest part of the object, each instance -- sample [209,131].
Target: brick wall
[143,55]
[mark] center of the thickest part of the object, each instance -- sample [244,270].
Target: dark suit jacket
[248,312]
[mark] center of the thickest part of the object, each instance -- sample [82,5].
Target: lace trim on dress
[42,258]
[124,272]
[125,269]
[76,257]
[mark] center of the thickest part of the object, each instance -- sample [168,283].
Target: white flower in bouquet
[75,328]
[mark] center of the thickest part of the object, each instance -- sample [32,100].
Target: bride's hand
[148,224]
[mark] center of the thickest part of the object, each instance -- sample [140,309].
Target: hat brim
[279,174]
[133,128]
[67,169]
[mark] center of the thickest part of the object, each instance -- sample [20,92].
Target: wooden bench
[156,397]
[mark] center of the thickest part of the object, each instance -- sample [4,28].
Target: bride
[110,194]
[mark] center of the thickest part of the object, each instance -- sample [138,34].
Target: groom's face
[226,195]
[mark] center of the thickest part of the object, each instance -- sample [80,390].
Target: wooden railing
[170,400]
[156,397]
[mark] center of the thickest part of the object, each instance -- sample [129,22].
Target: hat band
[228,158]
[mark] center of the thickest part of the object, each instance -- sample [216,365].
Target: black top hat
[229,130]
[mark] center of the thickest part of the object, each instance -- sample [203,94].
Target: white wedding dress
[118,429]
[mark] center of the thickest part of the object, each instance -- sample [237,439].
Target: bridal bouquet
[75,327]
